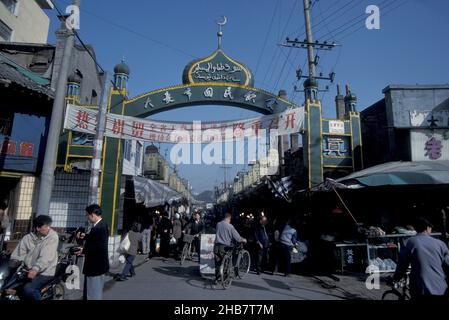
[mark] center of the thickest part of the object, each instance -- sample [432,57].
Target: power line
[363,26]
[331,15]
[280,38]
[125,28]
[321,15]
[360,19]
[282,70]
[266,37]
[62,16]
[326,22]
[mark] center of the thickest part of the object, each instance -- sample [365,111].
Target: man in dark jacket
[95,250]
[195,228]
[261,244]
[165,229]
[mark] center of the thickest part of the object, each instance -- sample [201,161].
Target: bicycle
[229,271]
[187,250]
[399,291]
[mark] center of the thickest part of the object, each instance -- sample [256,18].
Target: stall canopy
[392,173]
[153,194]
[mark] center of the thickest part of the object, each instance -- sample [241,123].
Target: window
[11,5]
[128,145]
[5,32]
[93,99]
[138,154]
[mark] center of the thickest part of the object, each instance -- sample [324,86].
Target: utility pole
[48,169]
[98,142]
[308,25]
[310,84]
[225,167]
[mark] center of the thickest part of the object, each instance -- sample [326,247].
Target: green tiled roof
[9,70]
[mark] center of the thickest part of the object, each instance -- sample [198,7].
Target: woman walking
[135,236]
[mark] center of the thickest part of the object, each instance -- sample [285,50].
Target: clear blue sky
[158,38]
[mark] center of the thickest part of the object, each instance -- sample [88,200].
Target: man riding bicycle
[428,258]
[224,237]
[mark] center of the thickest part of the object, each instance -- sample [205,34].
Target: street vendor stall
[369,213]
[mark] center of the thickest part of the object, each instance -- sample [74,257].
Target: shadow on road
[277,284]
[180,272]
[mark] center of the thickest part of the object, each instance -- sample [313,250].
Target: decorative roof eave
[13,72]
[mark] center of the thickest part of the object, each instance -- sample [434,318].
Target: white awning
[152,193]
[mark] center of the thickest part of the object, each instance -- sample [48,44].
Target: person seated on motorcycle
[38,250]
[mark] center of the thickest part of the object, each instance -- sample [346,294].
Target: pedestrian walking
[4,222]
[165,229]
[275,247]
[95,250]
[134,236]
[261,244]
[177,234]
[288,240]
[146,240]
[155,219]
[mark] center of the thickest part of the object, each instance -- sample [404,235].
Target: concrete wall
[388,134]
[401,99]
[29,23]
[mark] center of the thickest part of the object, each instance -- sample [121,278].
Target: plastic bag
[125,244]
[173,240]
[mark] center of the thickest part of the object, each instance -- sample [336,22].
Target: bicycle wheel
[185,252]
[392,295]
[58,291]
[243,263]
[226,271]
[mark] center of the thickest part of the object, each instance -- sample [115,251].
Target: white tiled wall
[69,199]
[25,198]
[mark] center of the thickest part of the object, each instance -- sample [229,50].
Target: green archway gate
[220,80]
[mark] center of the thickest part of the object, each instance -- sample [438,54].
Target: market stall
[368,215]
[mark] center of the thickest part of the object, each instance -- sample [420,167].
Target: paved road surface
[165,279]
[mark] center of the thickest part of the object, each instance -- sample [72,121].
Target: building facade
[25,110]
[411,123]
[24,20]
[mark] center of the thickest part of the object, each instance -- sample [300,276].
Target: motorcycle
[12,281]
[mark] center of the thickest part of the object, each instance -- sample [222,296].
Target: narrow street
[161,279]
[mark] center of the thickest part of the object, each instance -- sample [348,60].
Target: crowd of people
[158,235]
[271,244]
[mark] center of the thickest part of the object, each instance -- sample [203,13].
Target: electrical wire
[360,19]
[266,37]
[141,35]
[363,26]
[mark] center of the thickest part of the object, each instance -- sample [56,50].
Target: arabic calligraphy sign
[218,67]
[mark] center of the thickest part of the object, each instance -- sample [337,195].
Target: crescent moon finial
[222,23]
[220,33]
